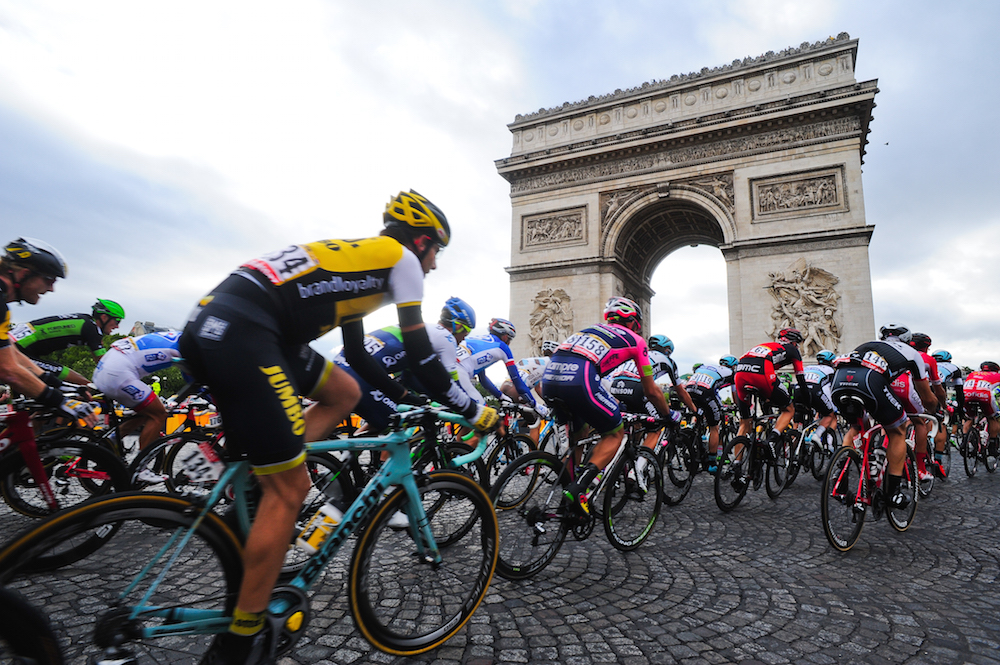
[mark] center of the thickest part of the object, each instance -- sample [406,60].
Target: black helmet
[36,255]
[792,335]
[989,366]
[419,215]
[920,341]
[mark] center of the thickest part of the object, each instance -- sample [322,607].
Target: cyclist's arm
[426,365]
[522,388]
[367,367]
[655,395]
[19,372]
[682,391]
[486,383]
[926,395]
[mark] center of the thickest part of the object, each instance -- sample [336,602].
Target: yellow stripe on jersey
[340,256]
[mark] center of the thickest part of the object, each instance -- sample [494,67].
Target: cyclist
[625,383]
[866,373]
[386,347]
[119,376]
[703,388]
[573,377]
[248,340]
[757,370]
[531,370]
[981,390]
[819,379]
[478,352]
[922,342]
[29,269]
[951,377]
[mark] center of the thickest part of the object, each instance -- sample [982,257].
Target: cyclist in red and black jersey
[29,269]
[922,342]
[757,370]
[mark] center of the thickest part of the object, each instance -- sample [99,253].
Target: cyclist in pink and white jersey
[573,379]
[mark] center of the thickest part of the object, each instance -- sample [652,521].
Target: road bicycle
[535,515]
[41,475]
[165,580]
[682,454]
[975,443]
[853,489]
[925,484]
[745,462]
[504,446]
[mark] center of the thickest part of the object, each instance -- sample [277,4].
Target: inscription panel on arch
[818,192]
[556,228]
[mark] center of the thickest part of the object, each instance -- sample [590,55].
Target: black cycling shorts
[234,346]
[874,389]
[707,400]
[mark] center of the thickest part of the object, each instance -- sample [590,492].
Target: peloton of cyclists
[703,388]
[573,380]
[981,390]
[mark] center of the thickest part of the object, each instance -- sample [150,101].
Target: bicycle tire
[26,636]
[67,464]
[207,576]
[182,462]
[970,448]
[822,452]
[777,473]
[508,449]
[384,570]
[842,523]
[989,458]
[531,507]
[946,458]
[901,519]
[733,478]
[630,512]
[677,476]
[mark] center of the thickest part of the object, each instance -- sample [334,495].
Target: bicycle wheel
[632,499]
[842,521]
[26,636]
[530,511]
[970,451]
[822,452]
[677,464]
[508,449]
[990,457]
[901,519]
[406,605]
[777,474]
[76,470]
[188,464]
[206,576]
[733,478]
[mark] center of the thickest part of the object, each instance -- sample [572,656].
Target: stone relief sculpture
[811,193]
[805,298]
[550,230]
[552,318]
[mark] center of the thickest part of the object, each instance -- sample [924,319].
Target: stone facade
[761,158]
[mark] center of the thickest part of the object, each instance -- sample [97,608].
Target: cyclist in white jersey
[119,376]
[531,371]
[478,352]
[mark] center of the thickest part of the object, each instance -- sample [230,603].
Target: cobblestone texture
[758,585]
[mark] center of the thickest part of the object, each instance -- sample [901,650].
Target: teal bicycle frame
[395,471]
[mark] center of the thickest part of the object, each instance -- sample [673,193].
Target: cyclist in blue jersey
[478,352]
[119,376]
[703,387]
[819,381]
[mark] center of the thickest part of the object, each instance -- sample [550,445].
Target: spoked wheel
[632,500]
[821,453]
[778,472]
[970,451]
[404,603]
[733,478]
[902,518]
[506,451]
[26,636]
[530,506]
[990,456]
[843,517]
[677,475]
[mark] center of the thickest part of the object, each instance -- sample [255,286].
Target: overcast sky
[159,145]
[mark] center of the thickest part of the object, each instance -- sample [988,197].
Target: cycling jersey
[951,375]
[607,346]
[55,333]
[119,373]
[906,393]
[248,338]
[931,363]
[867,372]
[531,370]
[386,346]
[478,352]
[757,369]
[890,357]
[819,381]
[5,339]
[703,387]
[982,389]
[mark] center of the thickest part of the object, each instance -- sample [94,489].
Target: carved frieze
[719,185]
[551,319]
[805,298]
[798,194]
[671,158]
[612,203]
[563,227]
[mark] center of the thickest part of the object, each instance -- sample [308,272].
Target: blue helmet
[456,312]
[661,343]
[729,361]
[825,357]
[942,356]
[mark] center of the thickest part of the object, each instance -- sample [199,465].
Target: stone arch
[761,158]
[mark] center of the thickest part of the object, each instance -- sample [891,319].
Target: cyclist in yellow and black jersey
[248,340]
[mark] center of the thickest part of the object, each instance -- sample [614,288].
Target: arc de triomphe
[760,158]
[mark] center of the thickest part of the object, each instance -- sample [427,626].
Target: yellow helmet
[412,210]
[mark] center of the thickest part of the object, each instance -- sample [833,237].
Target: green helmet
[109,307]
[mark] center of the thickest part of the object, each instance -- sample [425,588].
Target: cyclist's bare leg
[784,418]
[336,398]
[895,450]
[154,419]
[606,448]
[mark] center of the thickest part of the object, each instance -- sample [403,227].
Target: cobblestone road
[760,584]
